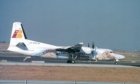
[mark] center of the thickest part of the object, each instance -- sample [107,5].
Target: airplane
[20,44]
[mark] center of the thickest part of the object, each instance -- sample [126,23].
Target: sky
[113,24]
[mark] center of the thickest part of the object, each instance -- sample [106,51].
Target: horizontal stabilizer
[21,45]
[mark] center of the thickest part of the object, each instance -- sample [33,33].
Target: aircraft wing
[71,49]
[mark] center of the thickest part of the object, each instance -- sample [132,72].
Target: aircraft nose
[118,56]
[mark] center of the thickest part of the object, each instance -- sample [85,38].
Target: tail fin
[18,31]
[17,35]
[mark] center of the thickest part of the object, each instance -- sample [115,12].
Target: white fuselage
[19,43]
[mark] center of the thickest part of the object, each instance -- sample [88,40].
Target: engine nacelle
[86,50]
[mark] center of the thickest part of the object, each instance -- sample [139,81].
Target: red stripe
[15,34]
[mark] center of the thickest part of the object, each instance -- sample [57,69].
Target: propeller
[88,45]
[93,52]
[93,46]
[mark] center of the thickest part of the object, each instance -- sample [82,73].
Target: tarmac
[18,59]
[65,65]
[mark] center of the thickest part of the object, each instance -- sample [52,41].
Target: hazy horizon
[113,24]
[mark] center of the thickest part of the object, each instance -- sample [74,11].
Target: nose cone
[118,56]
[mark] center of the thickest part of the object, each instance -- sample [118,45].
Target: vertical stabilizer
[17,35]
[18,31]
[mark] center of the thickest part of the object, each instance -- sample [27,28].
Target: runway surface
[69,72]
[65,65]
[17,58]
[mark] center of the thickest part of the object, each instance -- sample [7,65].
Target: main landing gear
[72,58]
[70,61]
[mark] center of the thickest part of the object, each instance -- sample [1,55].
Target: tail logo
[17,34]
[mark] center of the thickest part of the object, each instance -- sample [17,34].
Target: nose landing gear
[116,61]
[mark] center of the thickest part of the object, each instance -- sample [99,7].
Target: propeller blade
[88,45]
[93,46]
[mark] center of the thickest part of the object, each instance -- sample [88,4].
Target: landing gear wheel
[71,61]
[115,62]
